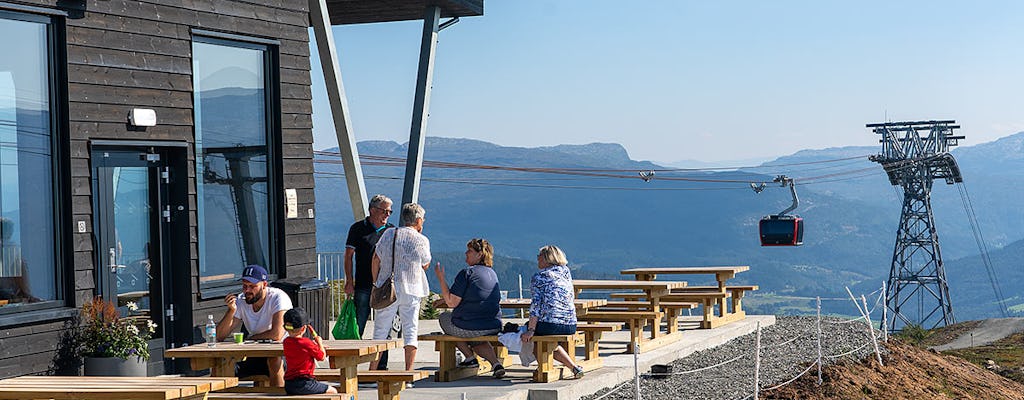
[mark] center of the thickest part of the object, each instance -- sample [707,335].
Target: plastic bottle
[211,331]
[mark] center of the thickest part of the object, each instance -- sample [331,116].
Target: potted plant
[113,345]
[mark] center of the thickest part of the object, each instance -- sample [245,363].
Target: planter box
[113,366]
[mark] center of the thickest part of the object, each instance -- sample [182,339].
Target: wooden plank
[121,40]
[134,97]
[685,270]
[128,60]
[89,393]
[129,78]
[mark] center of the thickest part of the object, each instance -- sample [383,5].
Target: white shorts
[407,307]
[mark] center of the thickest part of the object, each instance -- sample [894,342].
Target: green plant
[913,334]
[104,333]
[429,310]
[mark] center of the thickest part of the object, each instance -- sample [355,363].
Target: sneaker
[408,385]
[470,363]
[498,372]
[577,372]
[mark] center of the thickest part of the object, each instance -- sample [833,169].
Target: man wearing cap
[260,310]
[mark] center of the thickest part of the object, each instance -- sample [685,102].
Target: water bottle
[211,331]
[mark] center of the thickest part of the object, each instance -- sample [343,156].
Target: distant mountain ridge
[606,224]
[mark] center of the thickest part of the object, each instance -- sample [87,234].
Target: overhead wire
[979,238]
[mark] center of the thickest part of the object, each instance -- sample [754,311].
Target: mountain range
[589,200]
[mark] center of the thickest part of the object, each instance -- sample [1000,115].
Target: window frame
[275,178]
[63,285]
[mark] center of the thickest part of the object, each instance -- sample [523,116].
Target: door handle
[113,261]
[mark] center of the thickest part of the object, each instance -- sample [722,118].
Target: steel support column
[421,105]
[321,22]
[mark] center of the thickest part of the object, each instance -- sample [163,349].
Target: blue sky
[675,80]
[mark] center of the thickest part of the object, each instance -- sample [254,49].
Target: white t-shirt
[262,321]
[412,252]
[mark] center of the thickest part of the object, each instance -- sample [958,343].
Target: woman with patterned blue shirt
[552,311]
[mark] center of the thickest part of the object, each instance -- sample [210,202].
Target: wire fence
[759,350]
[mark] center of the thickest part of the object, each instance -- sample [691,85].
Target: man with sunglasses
[362,240]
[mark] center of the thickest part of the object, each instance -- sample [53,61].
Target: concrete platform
[516,385]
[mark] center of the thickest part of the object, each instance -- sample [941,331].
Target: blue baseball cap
[254,274]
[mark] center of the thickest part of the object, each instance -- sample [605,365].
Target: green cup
[239,337]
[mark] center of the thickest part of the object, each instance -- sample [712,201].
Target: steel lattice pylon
[914,154]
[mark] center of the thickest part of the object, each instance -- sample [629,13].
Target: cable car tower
[913,155]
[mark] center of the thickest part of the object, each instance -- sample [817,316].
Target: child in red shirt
[301,354]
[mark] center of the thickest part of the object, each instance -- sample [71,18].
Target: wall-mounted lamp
[142,117]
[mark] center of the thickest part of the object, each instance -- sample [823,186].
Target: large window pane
[27,251]
[231,157]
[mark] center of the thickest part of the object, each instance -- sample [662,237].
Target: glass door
[131,215]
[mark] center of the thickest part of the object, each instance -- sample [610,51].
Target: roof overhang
[344,12]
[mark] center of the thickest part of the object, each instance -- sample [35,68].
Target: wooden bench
[389,383]
[708,297]
[636,321]
[277,396]
[544,347]
[592,333]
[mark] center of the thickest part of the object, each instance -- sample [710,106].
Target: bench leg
[446,364]
[591,345]
[389,390]
[636,331]
[672,319]
[545,362]
[709,313]
[737,301]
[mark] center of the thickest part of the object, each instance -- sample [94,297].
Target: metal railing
[330,267]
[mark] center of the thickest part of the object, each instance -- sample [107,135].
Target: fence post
[636,369]
[819,340]
[871,329]
[885,313]
[757,361]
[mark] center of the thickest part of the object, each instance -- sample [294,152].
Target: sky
[675,80]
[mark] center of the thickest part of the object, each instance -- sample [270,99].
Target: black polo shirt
[363,237]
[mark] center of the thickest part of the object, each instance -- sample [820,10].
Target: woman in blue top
[552,311]
[475,297]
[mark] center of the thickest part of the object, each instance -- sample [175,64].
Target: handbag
[347,327]
[383,296]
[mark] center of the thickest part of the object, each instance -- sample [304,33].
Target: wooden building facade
[146,149]
[151,149]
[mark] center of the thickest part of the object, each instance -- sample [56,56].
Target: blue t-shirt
[480,308]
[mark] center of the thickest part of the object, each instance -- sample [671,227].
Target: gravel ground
[782,358]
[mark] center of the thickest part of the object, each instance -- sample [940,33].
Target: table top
[110,387]
[579,303]
[685,270]
[333,348]
[636,285]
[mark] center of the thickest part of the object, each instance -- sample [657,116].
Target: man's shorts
[252,366]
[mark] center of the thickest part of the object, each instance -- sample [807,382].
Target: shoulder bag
[383,296]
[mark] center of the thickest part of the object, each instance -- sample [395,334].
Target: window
[29,262]
[234,169]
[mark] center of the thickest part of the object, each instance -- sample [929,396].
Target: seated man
[262,315]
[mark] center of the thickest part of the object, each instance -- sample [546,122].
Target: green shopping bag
[346,328]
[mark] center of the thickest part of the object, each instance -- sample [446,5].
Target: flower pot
[113,366]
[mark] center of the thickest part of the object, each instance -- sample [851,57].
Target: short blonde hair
[485,249]
[552,255]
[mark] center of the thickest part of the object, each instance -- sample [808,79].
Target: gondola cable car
[781,229]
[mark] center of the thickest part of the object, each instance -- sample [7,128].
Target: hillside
[908,373]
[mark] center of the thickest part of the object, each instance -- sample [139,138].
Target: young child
[301,354]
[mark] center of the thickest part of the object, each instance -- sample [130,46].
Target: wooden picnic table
[722,274]
[582,305]
[344,355]
[654,291]
[112,387]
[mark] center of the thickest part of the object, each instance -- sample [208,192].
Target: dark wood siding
[123,54]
